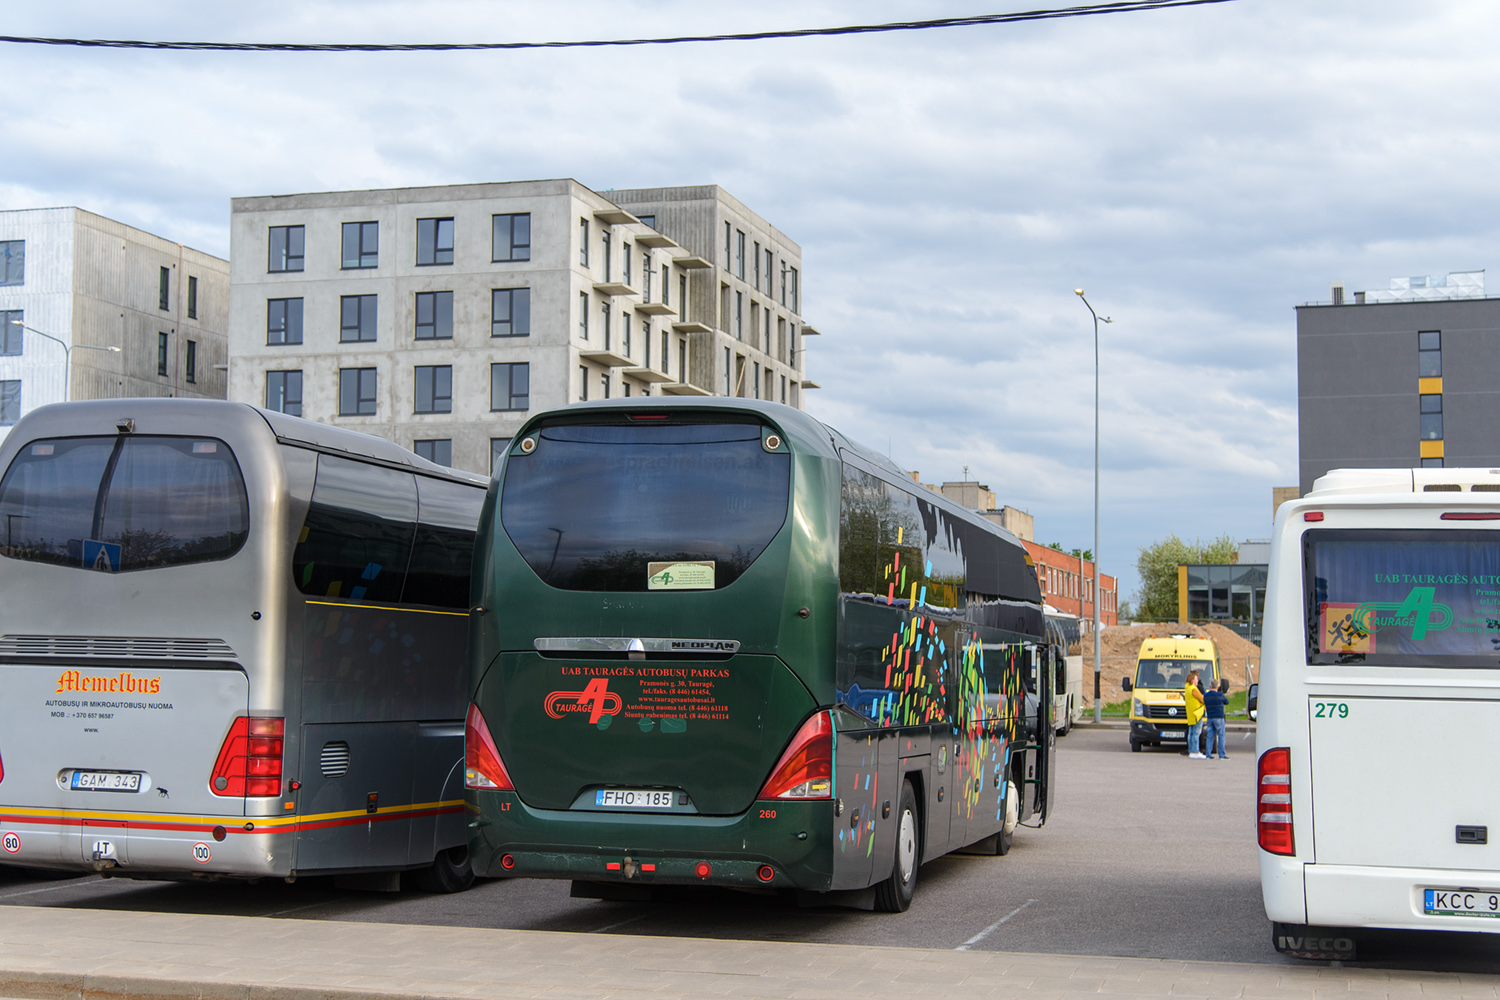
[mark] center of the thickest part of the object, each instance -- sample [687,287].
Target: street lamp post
[1098,707]
[67,353]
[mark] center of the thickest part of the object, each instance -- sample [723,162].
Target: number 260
[1330,710]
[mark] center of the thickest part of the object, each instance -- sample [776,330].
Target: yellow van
[1158,711]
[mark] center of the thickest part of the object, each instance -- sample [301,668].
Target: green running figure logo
[1419,612]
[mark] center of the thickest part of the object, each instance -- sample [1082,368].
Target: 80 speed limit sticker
[11,842]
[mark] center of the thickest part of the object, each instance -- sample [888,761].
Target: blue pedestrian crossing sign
[102,556]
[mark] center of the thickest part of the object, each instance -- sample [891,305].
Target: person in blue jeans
[1214,701]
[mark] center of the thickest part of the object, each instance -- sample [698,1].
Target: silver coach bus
[232,644]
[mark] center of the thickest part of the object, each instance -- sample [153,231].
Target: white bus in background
[232,644]
[1064,635]
[1379,729]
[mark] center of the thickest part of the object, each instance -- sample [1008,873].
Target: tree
[1157,566]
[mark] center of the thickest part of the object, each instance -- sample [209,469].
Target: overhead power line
[1086,10]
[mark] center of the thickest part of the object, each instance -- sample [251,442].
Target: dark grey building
[1399,379]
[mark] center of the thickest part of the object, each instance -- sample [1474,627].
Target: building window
[666,285]
[681,294]
[1432,463]
[728,243]
[625,262]
[510,238]
[283,321]
[783,388]
[756,258]
[434,241]
[604,245]
[12,262]
[1432,416]
[728,372]
[666,344]
[164,289]
[625,334]
[190,370]
[583,315]
[192,298]
[755,380]
[767,314]
[649,220]
[793,290]
[583,242]
[284,392]
[434,389]
[646,279]
[510,386]
[583,383]
[11,333]
[739,255]
[434,316]
[356,319]
[161,354]
[286,244]
[739,315]
[510,312]
[361,244]
[10,401]
[498,448]
[604,384]
[682,359]
[769,291]
[1429,354]
[604,318]
[356,392]
[436,450]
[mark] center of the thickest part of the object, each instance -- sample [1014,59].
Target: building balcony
[646,375]
[655,240]
[654,309]
[683,389]
[614,216]
[614,288]
[692,328]
[808,331]
[808,383]
[607,358]
[691,262]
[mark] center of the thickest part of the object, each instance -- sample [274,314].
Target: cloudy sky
[1199,171]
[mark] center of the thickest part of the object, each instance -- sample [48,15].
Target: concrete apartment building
[120,311]
[440,317]
[1399,378]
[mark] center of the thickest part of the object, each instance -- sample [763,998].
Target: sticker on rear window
[680,575]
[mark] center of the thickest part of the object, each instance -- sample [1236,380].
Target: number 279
[1330,710]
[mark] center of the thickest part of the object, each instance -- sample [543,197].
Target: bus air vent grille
[129,647]
[334,760]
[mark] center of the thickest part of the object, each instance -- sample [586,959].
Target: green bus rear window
[635,507]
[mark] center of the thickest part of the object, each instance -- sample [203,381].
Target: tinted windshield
[1403,598]
[1171,673]
[123,503]
[644,506]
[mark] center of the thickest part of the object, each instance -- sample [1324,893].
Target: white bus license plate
[106,781]
[633,798]
[1461,902]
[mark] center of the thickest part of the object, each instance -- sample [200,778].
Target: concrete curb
[21,985]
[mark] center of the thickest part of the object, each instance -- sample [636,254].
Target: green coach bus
[713,641]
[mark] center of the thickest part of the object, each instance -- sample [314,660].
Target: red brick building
[1068,585]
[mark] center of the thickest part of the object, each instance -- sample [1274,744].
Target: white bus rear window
[1403,598]
[117,504]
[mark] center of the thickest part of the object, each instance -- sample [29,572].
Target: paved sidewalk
[96,954]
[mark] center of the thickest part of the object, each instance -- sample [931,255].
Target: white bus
[1381,679]
[232,644]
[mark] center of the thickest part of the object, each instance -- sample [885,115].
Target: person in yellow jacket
[1195,710]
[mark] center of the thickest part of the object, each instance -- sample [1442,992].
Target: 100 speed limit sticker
[201,853]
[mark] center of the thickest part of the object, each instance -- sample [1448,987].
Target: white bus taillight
[805,770]
[1273,807]
[250,760]
[482,765]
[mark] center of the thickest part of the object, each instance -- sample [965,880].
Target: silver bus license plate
[106,781]
[1461,902]
[633,798]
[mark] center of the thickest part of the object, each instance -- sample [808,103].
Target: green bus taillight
[482,765]
[805,770]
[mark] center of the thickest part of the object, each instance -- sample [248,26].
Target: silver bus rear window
[118,504]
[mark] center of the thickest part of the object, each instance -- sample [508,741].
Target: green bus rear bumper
[790,837]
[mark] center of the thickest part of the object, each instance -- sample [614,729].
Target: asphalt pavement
[1148,855]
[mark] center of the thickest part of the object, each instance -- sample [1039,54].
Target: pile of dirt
[1239,659]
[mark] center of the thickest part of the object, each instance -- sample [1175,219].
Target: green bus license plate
[106,781]
[1461,902]
[633,798]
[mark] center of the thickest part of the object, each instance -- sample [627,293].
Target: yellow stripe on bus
[259,821]
[378,607]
